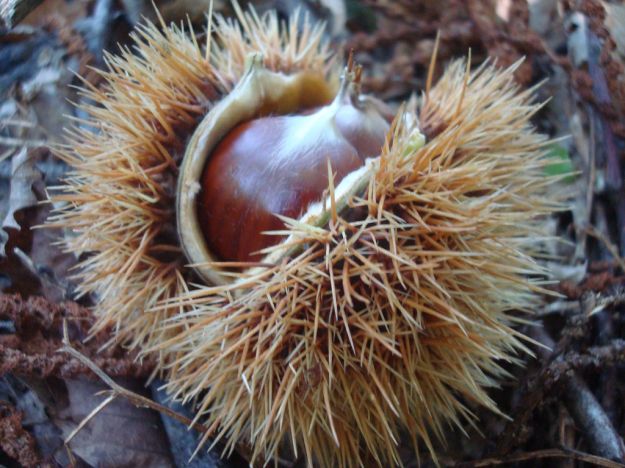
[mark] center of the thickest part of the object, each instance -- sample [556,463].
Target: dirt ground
[565,406]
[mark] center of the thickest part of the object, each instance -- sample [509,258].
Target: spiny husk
[384,321]
[118,201]
[396,315]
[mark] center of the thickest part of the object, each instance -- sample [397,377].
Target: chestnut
[385,311]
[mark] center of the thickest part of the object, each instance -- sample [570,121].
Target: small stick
[135,399]
[538,454]
[89,417]
[118,390]
[592,420]
[587,412]
[594,232]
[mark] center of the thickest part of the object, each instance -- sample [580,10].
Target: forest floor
[565,406]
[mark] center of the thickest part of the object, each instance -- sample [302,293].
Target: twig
[594,232]
[89,417]
[560,369]
[592,420]
[538,454]
[588,414]
[118,390]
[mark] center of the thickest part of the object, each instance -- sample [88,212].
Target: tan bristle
[379,325]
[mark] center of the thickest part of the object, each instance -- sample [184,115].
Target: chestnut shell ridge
[278,165]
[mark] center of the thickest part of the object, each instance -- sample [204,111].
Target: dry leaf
[119,435]
[23,175]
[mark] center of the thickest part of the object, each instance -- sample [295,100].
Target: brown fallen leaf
[119,435]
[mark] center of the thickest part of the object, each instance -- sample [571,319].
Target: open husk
[390,318]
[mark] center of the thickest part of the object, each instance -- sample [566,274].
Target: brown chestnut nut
[278,165]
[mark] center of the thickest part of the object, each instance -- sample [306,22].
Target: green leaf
[561,165]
